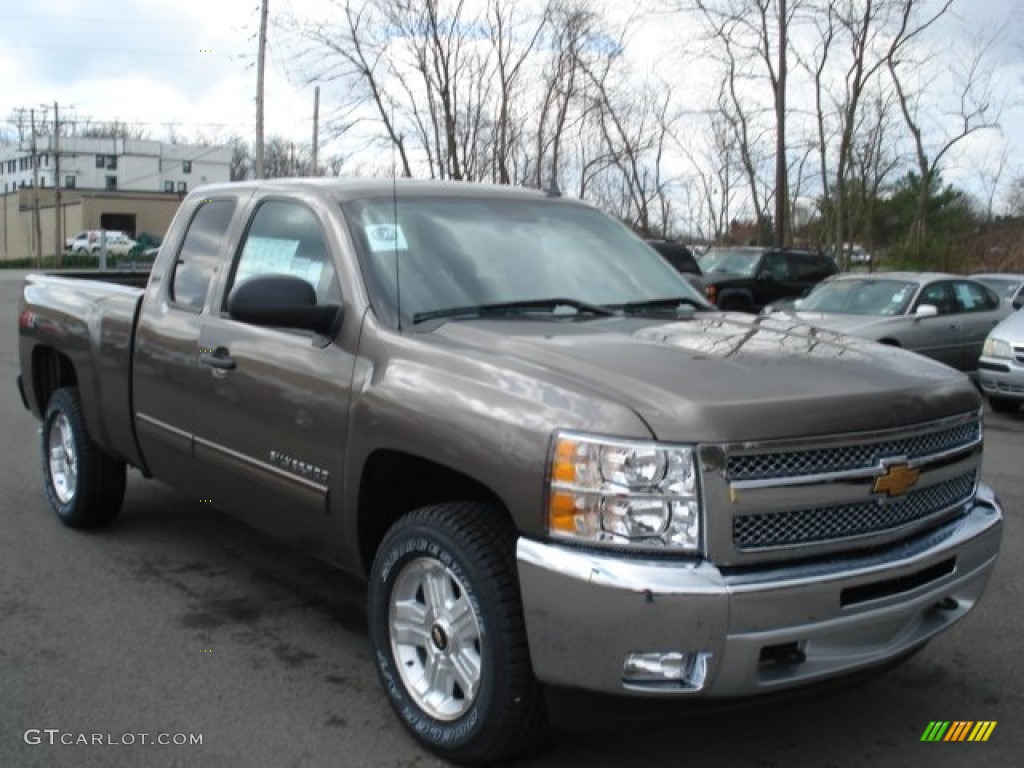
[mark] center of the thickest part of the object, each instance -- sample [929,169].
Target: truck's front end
[733,569]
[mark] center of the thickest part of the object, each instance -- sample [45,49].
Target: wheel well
[738,301]
[394,483]
[51,370]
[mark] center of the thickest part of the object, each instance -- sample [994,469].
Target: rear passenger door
[271,403]
[165,360]
[980,311]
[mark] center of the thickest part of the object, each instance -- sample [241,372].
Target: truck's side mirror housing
[281,301]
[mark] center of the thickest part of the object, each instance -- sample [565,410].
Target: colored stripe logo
[958,730]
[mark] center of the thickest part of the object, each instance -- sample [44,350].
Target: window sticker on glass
[385,237]
[271,255]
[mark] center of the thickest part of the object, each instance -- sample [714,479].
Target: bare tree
[241,159]
[1015,197]
[514,36]
[976,109]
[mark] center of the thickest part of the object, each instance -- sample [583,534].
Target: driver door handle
[218,359]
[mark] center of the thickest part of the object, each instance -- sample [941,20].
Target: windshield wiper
[673,303]
[514,308]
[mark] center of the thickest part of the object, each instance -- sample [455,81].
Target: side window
[197,259]
[285,238]
[974,297]
[941,297]
[776,266]
[805,266]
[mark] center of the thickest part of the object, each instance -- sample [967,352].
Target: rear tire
[446,625]
[1003,404]
[735,305]
[84,484]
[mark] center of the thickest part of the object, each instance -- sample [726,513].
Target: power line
[93,20]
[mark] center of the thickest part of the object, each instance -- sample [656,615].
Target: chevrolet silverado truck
[556,466]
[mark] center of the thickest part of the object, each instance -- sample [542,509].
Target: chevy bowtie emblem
[897,480]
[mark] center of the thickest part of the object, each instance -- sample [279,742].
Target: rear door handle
[220,359]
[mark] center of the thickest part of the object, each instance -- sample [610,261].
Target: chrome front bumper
[1001,377]
[764,629]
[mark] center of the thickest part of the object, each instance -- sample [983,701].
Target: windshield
[1003,286]
[453,252]
[860,297]
[735,261]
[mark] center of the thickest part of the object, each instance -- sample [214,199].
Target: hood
[721,377]
[859,325]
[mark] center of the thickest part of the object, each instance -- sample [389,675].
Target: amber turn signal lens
[562,512]
[564,469]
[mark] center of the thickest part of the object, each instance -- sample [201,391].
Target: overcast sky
[190,64]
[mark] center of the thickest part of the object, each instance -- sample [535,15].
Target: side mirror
[927,310]
[1018,303]
[281,301]
[798,303]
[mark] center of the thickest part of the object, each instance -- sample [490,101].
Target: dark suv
[745,279]
[681,258]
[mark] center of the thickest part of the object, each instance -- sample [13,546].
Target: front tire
[733,304]
[85,486]
[447,631]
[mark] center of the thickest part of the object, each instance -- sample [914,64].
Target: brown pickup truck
[557,467]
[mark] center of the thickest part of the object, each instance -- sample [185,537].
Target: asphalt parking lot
[179,621]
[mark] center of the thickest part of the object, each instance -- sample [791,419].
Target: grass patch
[75,261]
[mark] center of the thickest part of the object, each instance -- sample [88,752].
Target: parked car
[745,279]
[682,260]
[89,240]
[120,245]
[1008,286]
[941,316]
[1001,367]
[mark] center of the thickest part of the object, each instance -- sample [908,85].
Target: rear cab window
[199,255]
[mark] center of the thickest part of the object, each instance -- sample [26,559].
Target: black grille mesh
[817,461]
[822,524]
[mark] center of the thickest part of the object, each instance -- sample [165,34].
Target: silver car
[945,317]
[1001,367]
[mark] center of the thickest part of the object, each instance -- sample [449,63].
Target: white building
[114,164]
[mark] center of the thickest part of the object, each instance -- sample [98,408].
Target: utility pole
[316,130]
[260,65]
[36,223]
[58,224]
[781,172]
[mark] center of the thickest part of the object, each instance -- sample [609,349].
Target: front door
[939,335]
[271,404]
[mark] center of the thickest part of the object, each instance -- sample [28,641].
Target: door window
[974,297]
[939,295]
[285,238]
[776,266]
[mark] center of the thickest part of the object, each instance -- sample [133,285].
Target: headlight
[996,348]
[624,493]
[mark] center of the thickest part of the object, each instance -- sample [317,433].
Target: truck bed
[86,319]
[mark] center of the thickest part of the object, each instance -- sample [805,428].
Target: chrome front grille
[824,524]
[817,461]
[832,494]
